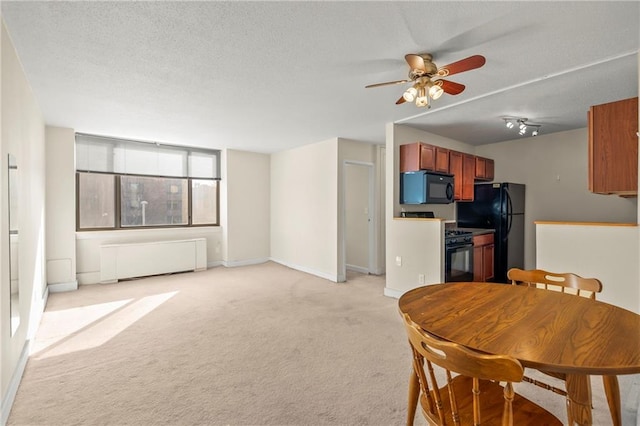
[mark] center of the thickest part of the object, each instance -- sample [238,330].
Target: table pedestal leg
[579,400]
[612,390]
[414,394]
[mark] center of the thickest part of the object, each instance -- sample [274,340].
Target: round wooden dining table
[543,329]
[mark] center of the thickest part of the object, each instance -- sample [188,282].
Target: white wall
[22,129]
[554,169]
[608,253]
[304,208]
[60,207]
[247,207]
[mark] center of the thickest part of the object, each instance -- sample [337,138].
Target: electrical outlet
[398,261]
[420,278]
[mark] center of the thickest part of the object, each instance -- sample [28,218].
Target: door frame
[372,255]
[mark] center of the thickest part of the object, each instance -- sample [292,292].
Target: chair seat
[525,412]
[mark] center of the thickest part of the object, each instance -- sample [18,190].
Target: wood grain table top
[543,329]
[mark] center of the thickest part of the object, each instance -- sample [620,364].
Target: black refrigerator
[498,206]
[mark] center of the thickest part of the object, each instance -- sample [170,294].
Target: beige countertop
[479,231]
[545,222]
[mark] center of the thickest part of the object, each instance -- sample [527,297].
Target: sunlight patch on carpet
[88,327]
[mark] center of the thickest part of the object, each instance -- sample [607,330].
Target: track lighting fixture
[522,125]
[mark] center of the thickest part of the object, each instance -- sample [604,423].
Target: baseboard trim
[324,275]
[390,292]
[16,378]
[214,264]
[62,287]
[234,263]
[359,269]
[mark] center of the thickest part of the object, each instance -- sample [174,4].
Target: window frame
[118,210]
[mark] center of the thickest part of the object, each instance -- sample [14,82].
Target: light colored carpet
[254,345]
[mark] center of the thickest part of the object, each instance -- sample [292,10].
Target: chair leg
[612,391]
[414,394]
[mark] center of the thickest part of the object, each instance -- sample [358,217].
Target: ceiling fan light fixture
[509,124]
[534,133]
[410,94]
[422,69]
[435,91]
[422,101]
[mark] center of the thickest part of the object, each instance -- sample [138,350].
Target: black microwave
[423,187]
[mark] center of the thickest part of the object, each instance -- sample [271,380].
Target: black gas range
[458,245]
[454,237]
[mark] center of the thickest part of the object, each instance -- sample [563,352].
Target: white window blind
[111,155]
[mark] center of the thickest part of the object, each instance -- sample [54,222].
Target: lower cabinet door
[487,261]
[478,263]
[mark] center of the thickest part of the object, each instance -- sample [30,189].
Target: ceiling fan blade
[400,101]
[450,87]
[470,63]
[416,62]
[386,83]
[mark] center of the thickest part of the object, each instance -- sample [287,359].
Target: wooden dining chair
[472,394]
[564,283]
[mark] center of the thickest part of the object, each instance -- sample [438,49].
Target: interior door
[357,217]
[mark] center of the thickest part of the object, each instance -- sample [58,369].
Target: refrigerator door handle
[509,212]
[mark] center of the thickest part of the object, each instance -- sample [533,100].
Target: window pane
[148,159]
[204,208]
[94,157]
[96,200]
[149,201]
[203,165]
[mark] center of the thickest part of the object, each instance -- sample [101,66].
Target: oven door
[459,263]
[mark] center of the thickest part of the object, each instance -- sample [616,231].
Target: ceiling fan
[422,71]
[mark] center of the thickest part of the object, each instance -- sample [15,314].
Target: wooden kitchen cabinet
[417,156]
[468,177]
[483,249]
[442,160]
[484,169]
[455,168]
[613,148]
[421,156]
[463,168]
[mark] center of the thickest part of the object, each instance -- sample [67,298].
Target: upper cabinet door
[484,169]
[613,148]
[442,160]
[417,156]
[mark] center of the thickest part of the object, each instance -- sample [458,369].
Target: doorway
[359,218]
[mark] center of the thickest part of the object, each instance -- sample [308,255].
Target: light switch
[398,261]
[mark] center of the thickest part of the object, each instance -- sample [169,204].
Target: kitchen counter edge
[545,222]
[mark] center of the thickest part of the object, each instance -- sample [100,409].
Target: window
[128,184]
[96,200]
[205,197]
[150,201]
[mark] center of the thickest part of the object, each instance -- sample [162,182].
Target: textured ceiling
[269,76]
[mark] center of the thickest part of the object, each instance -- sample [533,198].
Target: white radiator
[129,260]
